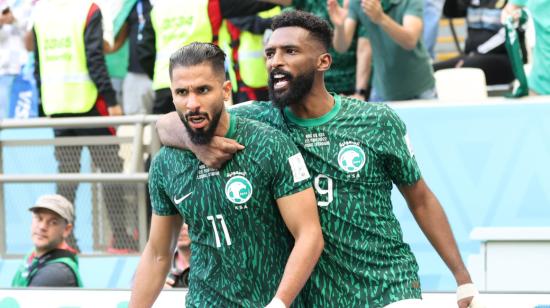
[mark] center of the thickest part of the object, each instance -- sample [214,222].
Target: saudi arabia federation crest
[351,158]
[238,189]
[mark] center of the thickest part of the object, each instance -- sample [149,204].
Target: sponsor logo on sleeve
[298,167]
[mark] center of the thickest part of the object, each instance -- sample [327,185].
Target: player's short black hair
[319,28]
[197,53]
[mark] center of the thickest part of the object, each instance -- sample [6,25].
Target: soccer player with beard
[355,150]
[253,224]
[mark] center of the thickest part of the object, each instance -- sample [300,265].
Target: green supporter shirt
[341,76]
[398,74]
[355,152]
[539,78]
[240,243]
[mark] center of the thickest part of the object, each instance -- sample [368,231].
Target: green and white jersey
[240,243]
[355,152]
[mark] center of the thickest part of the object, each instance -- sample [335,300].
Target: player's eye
[203,90]
[291,51]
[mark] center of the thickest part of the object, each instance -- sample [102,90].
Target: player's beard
[203,135]
[298,87]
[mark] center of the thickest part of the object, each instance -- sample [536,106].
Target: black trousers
[497,67]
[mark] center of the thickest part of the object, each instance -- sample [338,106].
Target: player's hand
[115,110]
[217,152]
[465,302]
[336,13]
[373,9]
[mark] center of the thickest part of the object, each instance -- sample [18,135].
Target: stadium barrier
[29,154]
[512,259]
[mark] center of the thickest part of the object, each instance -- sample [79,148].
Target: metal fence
[103,175]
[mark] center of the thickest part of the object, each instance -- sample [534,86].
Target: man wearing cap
[52,263]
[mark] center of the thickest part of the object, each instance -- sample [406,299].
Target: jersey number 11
[224,228]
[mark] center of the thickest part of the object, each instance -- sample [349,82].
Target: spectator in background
[539,78]
[14,16]
[179,273]
[73,82]
[52,263]
[242,39]
[485,44]
[167,29]
[401,64]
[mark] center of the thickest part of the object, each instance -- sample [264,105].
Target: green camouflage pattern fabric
[240,243]
[354,154]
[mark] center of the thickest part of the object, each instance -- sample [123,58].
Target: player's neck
[315,104]
[223,124]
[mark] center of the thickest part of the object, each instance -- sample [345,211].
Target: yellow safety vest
[66,85]
[250,54]
[176,24]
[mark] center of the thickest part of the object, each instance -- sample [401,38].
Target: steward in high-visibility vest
[73,79]
[70,58]
[174,23]
[245,47]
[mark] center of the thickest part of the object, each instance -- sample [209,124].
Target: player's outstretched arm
[155,260]
[431,218]
[172,133]
[299,211]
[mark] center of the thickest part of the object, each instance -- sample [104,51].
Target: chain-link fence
[102,174]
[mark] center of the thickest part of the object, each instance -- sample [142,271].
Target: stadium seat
[460,84]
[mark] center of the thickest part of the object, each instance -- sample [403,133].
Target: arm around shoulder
[173,133]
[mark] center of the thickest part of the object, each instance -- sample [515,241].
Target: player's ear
[226,90]
[324,61]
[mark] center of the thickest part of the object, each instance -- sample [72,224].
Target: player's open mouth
[280,81]
[197,121]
